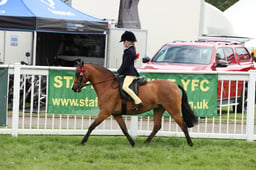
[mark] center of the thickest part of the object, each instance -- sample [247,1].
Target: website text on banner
[201,89]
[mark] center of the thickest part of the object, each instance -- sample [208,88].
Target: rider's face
[126,43]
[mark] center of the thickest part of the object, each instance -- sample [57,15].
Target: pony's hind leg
[122,125]
[96,122]
[158,112]
[179,120]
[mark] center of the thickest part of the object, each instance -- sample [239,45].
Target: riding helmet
[128,36]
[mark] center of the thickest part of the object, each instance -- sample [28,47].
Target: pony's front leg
[96,122]
[122,125]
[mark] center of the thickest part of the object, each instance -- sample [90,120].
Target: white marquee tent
[242,16]
[166,20]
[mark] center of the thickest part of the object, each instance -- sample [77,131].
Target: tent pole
[34,48]
[106,49]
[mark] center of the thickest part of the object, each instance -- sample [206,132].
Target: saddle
[134,86]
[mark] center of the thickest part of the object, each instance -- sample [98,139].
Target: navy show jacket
[127,67]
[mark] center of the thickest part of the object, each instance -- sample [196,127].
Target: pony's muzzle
[76,89]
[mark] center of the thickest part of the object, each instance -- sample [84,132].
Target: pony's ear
[82,64]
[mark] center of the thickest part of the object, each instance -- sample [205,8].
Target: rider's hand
[116,75]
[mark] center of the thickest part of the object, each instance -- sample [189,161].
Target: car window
[184,54]
[242,54]
[229,53]
[161,54]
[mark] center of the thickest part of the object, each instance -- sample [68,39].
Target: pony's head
[80,78]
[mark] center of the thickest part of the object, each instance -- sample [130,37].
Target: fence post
[134,126]
[250,106]
[16,98]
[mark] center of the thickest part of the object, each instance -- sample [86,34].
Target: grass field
[114,152]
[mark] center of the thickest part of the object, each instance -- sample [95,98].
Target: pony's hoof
[190,144]
[146,143]
[132,143]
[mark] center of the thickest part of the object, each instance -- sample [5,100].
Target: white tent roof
[215,22]
[170,21]
[242,16]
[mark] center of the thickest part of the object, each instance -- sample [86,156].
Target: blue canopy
[47,16]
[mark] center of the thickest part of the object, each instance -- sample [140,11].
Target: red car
[204,56]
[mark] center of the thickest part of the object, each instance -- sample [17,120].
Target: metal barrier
[27,105]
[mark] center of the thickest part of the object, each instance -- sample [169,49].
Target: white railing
[31,117]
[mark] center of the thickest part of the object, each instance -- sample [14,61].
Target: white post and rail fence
[35,104]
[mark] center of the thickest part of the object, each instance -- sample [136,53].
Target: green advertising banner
[3,95]
[201,90]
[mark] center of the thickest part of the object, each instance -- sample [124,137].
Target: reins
[83,73]
[99,82]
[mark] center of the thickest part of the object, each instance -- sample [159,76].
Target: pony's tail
[188,115]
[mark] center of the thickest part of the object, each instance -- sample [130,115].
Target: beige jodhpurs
[127,82]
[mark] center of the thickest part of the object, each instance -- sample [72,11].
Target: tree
[222,4]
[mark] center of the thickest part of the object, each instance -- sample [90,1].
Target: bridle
[82,75]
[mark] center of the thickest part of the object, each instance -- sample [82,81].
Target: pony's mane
[103,69]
